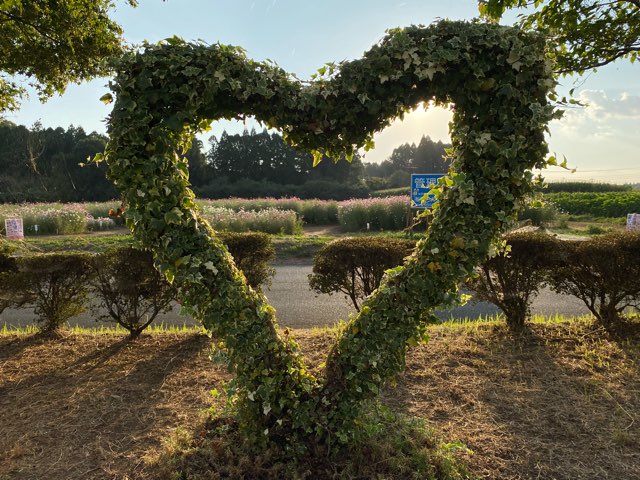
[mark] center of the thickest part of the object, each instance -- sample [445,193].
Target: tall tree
[586,33]
[426,157]
[53,43]
[402,156]
[430,157]
[200,171]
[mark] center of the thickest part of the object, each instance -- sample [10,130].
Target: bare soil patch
[561,401]
[323,231]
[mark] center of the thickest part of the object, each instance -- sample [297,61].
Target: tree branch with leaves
[53,43]
[584,34]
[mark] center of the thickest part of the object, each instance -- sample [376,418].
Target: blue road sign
[421,185]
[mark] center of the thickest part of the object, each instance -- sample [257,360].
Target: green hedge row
[119,285]
[603,272]
[596,204]
[555,187]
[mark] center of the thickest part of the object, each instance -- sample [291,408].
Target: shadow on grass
[555,401]
[98,357]
[107,405]
[15,346]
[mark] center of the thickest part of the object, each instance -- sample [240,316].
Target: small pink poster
[14,228]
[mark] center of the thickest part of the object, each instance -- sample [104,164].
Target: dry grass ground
[561,401]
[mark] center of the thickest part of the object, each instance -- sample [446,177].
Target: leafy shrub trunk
[129,288]
[355,266]
[56,284]
[603,272]
[512,278]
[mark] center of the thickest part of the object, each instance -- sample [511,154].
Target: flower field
[269,215]
[288,215]
[388,213]
[268,220]
[59,218]
[311,212]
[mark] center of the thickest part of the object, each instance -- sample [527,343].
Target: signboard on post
[633,221]
[14,228]
[421,185]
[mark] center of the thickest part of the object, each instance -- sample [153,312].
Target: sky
[601,140]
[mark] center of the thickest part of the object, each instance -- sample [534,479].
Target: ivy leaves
[497,78]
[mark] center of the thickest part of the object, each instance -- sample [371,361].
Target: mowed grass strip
[560,401]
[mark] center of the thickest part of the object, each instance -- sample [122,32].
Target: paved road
[298,307]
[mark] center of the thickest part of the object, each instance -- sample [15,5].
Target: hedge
[603,272]
[557,187]
[123,279]
[8,267]
[252,254]
[130,291]
[597,204]
[55,284]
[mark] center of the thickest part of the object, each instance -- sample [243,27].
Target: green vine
[498,80]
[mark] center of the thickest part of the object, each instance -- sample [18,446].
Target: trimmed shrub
[603,272]
[56,284]
[355,266]
[7,262]
[512,278]
[252,253]
[129,288]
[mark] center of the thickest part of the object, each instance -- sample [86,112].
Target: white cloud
[601,139]
[603,115]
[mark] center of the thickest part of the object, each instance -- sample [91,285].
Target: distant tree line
[40,165]
[258,164]
[45,165]
[425,157]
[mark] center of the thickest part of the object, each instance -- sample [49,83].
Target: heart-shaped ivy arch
[498,80]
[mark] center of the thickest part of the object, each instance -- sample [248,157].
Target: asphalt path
[299,307]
